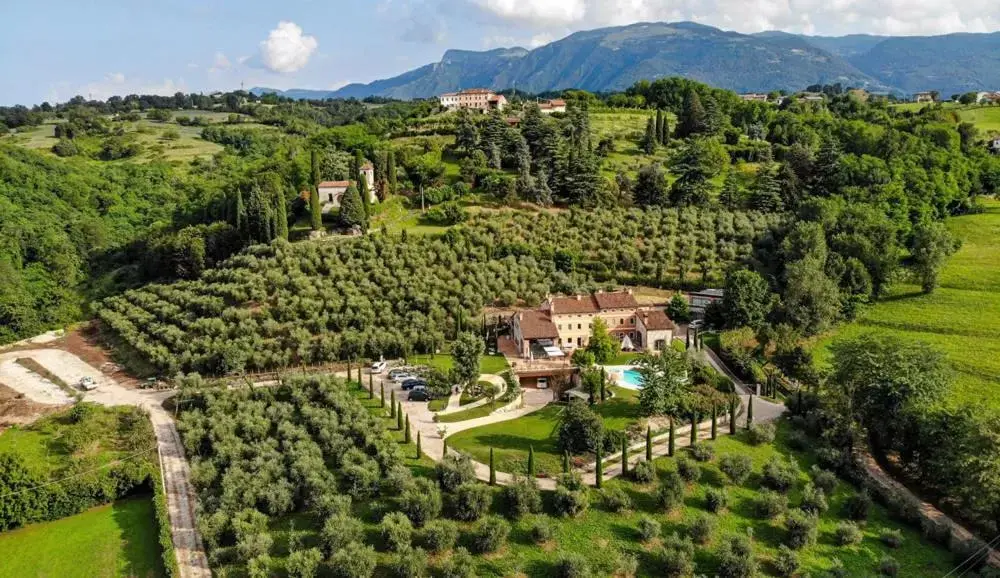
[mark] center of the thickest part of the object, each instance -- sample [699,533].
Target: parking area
[30,384]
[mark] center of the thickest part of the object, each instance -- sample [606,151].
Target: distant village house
[754,96]
[330,192]
[551,106]
[481,99]
[923,97]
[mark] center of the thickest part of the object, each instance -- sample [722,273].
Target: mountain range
[610,59]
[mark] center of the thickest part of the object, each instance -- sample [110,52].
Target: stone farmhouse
[563,324]
[551,106]
[330,192]
[481,99]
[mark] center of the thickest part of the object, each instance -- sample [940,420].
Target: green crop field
[961,318]
[986,118]
[119,539]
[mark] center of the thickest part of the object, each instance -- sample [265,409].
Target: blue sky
[60,48]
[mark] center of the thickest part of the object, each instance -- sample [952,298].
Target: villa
[330,192]
[481,99]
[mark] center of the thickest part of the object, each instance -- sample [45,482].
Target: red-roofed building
[550,106]
[481,99]
[330,192]
[565,323]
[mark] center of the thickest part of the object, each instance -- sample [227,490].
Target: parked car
[542,383]
[88,384]
[419,394]
[378,367]
[401,375]
[412,383]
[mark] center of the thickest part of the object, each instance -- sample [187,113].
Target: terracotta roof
[536,325]
[475,91]
[333,184]
[575,304]
[620,300]
[656,320]
[554,103]
[593,303]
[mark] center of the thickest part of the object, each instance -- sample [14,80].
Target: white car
[378,367]
[88,384]
[399,375]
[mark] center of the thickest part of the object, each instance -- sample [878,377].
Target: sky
[98,48]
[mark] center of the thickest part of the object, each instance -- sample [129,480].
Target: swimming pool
[631,379]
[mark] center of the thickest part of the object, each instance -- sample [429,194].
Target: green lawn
[119,539]
[510,441]
[489,364]
[467,414]
[959,318]
[986,118]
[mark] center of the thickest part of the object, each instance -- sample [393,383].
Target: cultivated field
[115,540]
[962,317]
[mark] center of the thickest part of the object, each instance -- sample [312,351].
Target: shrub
[689,470]
[397,531]
[888,566]
[339,531]
[715,500]
[798,440]
[643,472]
[778,475]
[254,545]
[471,501]
[625,565]
[847,534]
[813,500]
[353,561]
[892,538]
[520,498]
[786,562]
[971,555]
[702,452]
[738,467]
[824,479]
[836,570]
[801,529]
[670,493]
[571,481]
[769,505]
[572,566]
[329,504]
[701,529]
[453,471]
[856,507]
[422,502]
[490,534]
[461,564]
[439,535]
[649,528]
[736,558]
[570,502]
[581,429]
[678,556]
[540,530]
[616,500]
[760,433]
[411,563]
[396,481]
[303,563]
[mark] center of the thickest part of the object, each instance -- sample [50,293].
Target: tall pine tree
[259,218]
[730,196]
[649,139]
[280,216]
[390,170]
[240,215]
[692,120]
[659,126]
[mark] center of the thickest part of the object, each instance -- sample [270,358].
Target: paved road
[191,558]
[454,402]
[30,384]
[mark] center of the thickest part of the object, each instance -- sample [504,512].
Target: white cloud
[286,48]
[899,17]
[220,63]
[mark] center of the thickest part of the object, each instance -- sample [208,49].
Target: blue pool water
[631,379]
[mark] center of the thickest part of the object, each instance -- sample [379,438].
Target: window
[579,341]
[621,322]
[579,326]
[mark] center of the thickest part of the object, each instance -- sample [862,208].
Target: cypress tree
[670,439]
[240,215]
[531,461]
[418,445]
[649,139]
[665,130]
[444,451]
[733,405]
[259,216]
[659,126]
[406,430]
[352,210]
[392,404]
[493,470]
[624,455]
[604,381]
[565,464]
[599,471]
[692,120]
[649,444]
[350,370]
[729,196]
[715,423]
[390,170]
[750,412]
[365,197]
[315,210]
[694,428]
[280,215]
[399,415]
[381,395]
[371,386]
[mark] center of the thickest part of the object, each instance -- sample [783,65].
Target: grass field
[961,318]
[489,364]
[119,539]
[986,118]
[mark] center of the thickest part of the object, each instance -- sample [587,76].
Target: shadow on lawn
[140,546]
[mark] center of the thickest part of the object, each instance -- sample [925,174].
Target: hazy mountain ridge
[614,58]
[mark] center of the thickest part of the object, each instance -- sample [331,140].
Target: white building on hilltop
[481,99]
